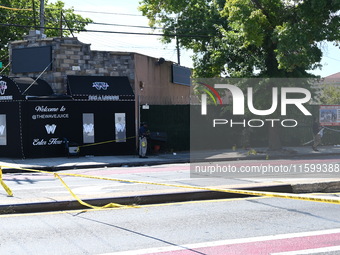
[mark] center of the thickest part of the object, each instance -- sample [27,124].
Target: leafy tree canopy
[268,38]
[17,18]
[330,95]
[247,38]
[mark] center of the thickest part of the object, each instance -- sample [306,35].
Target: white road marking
[310,251]
[228,242]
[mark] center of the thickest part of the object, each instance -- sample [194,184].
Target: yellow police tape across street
[10,193]
[110,205]
[99,143]
[110,141]
[6,188]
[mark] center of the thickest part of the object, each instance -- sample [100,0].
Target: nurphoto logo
[296,96]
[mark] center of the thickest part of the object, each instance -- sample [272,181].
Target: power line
[109,24]
[333,58]
[96,12]
[16,16]
[112,32]
[121,44]
[52,19]
[118,25]
[78,21]
[111,13]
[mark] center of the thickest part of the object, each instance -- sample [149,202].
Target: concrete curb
[333,186]
[133,200]
[323,187]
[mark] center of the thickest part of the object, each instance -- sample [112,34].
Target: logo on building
[50,129]
[88,128]
[2,129]
[3,87]
[100,85]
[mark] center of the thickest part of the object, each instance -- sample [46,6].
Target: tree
[330,95]
[17,17]
[249,38]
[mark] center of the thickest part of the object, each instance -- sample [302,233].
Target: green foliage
[250,38]
[70,20]
[16,22]
[330,95]
[247,38]
[197,24]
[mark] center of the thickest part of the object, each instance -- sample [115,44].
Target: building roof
[333,79]
[333,76]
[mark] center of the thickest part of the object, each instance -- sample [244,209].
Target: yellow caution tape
[245,192]
[236,191]
[110,205]
[110,141]
[252,152]
[8,190]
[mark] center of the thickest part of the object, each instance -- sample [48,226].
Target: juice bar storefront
[97,114]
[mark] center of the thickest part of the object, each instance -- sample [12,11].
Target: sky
[114,12]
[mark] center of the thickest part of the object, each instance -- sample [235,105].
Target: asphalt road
[235,226]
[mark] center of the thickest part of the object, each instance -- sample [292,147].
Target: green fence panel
[172,119]
[175,121]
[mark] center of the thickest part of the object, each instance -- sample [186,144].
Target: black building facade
[97,116]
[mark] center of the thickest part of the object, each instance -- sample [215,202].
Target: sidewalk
[40,197]
[64,163]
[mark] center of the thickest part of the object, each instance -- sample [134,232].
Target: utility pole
[178,52]
[177,43]
[42,14]
[34,18]
[61,23]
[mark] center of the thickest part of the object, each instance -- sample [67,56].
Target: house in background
[333,76]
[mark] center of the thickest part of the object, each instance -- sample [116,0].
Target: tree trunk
[274,140]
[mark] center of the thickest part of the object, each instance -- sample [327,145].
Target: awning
[33,87]
[9,90]
[100,88]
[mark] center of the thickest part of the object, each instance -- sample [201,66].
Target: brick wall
[71,57]
[150,81]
